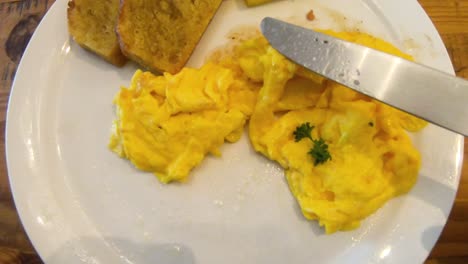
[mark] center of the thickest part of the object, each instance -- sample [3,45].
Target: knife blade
[430,94]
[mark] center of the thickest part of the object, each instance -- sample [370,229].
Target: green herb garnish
[303,131]
[319,151]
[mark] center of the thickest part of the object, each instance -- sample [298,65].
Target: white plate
[80,203]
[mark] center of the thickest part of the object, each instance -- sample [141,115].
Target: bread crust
[92,25]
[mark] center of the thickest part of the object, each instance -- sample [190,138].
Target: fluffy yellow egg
[372,157]
[167,124]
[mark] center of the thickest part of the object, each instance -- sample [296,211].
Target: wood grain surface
[19,18]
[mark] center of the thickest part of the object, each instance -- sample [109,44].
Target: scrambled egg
[167,124]
[372,157]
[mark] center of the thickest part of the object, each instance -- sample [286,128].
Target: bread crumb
[310,15]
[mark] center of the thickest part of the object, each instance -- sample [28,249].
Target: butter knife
[430,94]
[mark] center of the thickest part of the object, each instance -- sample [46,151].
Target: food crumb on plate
[310,15]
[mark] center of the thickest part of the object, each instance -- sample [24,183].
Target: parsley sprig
[319,151]
[303,131]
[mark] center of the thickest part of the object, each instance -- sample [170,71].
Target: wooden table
[19,18]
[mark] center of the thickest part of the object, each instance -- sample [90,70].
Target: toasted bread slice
[92,25]
[161,34]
